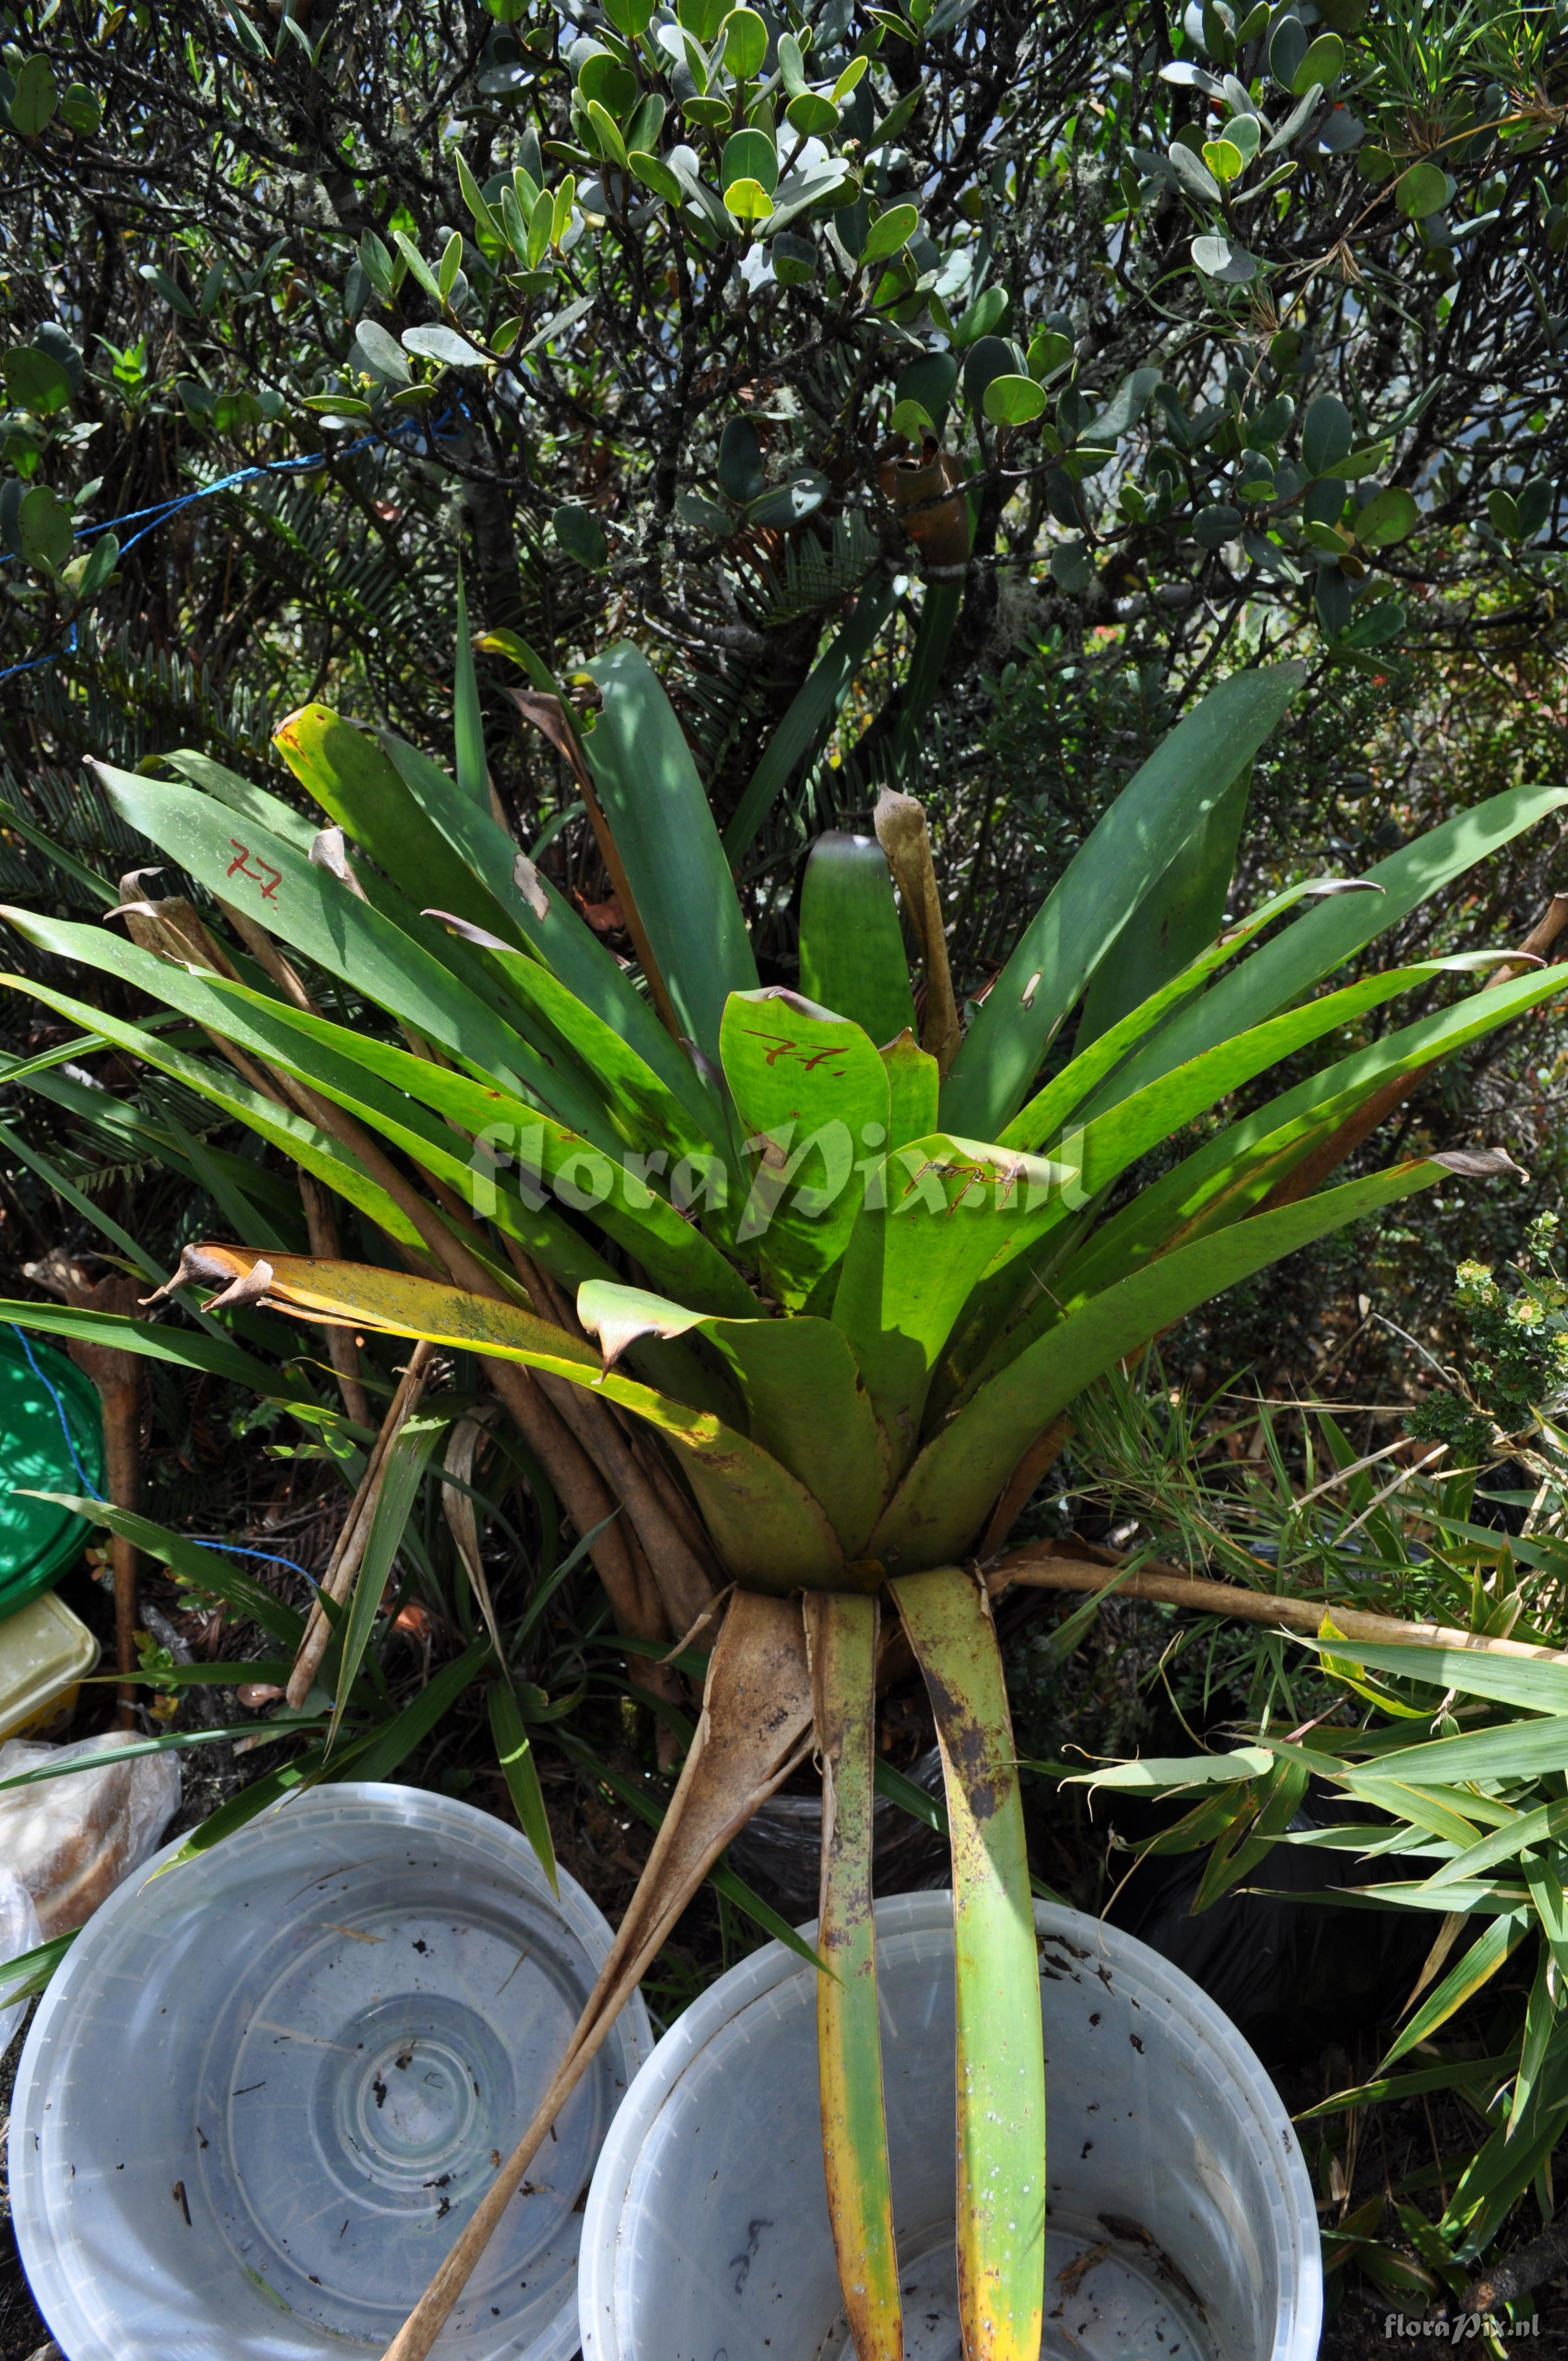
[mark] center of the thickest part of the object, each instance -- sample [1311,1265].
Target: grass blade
[520,1772]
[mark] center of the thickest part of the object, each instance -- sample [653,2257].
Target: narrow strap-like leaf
[1048,1110]
[1231,1173]
[1094,899]
[1001,2060]
[181,1348]
[520,1772]
[841,1635]
[1335,930]
[468,727]
[204,1569]
[1182,910]
[768,1529]
[852,946]
[1477,1967]
[544,917]
[664,833]
[944,1499]
[357,785]
[396,1488]
[809,717]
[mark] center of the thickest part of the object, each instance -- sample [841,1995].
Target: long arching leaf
[1001,2060]
[409,966]
[768,1529]
[944,1499]
[1090,903]
[842,1636]
[1181,912]
[1233,1171]
[852,946]
[806,1401]
[663,831]
[1313,945]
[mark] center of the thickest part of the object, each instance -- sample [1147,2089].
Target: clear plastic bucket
[1181,2223]
[264,2092]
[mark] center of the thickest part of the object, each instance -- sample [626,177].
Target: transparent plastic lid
[266,2091]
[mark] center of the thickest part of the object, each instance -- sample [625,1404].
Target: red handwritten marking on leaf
[791,1050]
[266,876]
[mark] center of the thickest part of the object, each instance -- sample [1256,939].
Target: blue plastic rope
[230,1549]
[162,511]
[82,1477]
[202,1541]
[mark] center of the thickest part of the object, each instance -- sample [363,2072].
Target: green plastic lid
[38,1540]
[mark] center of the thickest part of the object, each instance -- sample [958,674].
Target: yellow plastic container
[45,1652]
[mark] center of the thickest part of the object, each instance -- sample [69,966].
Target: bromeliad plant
[841,1275]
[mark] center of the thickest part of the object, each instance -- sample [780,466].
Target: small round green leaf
[750,156]
[1287,51]
[1324,62]
[1422,191]
[1327,434]
[1193,174]
[1502,510]
[44,528]
[1013,401]
[790,504]
[1219,258]
[1214,525]
[1244,132]
[657,176]
[927,381]
[745,42]
[1070,567]
[794,258]
[748,200]
[35,380]
[911,420]
[80,111]
[740,461]
[606,133]
[434,343]
[629,16]
[1388,517]
[890,232]
[811,114]
[382,354]
[605,79]
[1049,353]
[984,315]
[580,534]
[1378,625]
[990,356]
[704,516]
[1535,504]
[86,576]
[1224,160]
[35,99]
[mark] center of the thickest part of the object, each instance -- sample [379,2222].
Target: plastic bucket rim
[38,2242]
[1298,2322]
